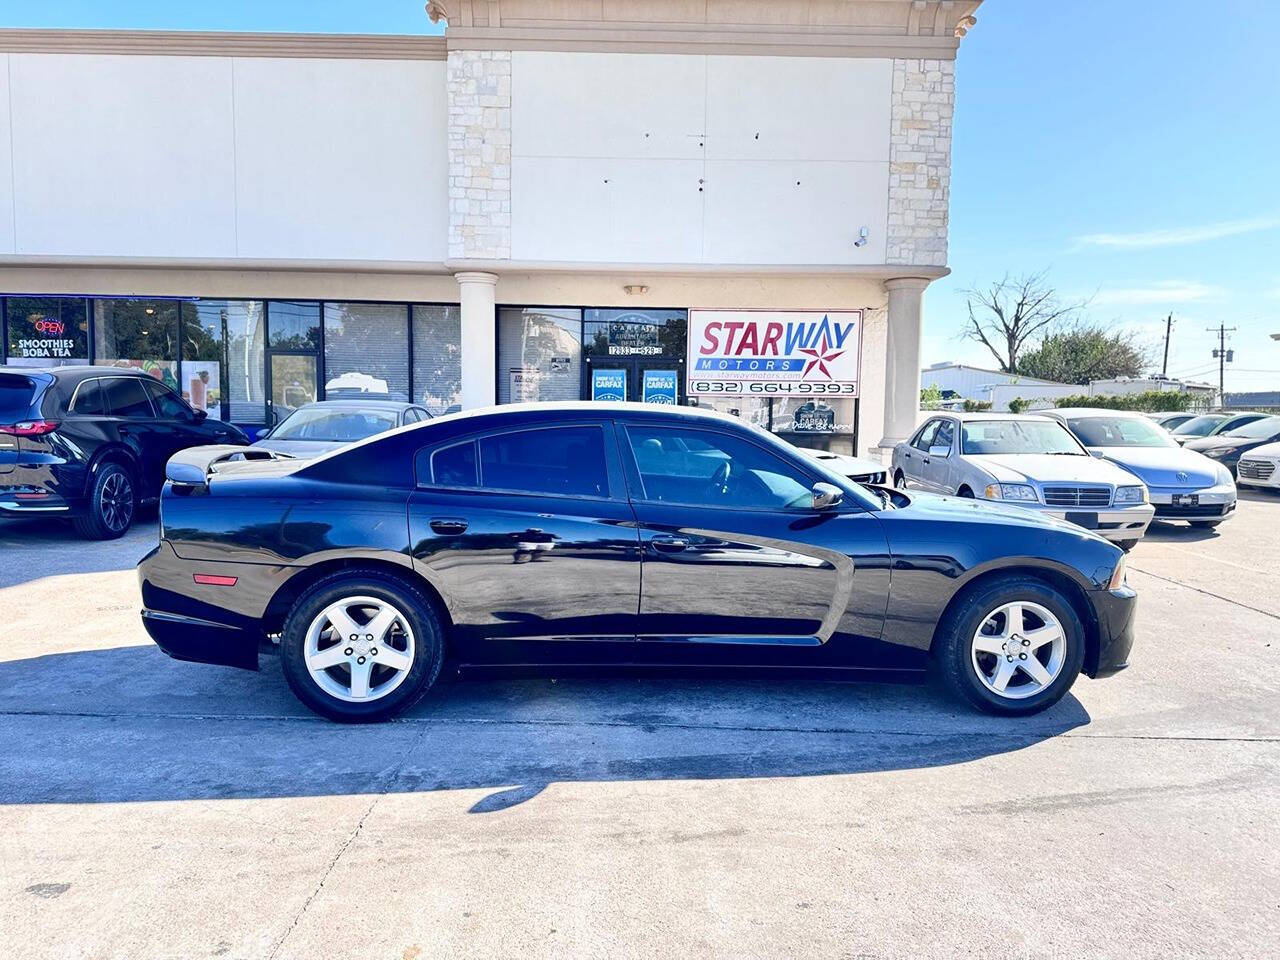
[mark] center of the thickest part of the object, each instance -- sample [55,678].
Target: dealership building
[734,205]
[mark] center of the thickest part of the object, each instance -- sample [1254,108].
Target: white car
[1027,461]
[1260,467]
[855,468]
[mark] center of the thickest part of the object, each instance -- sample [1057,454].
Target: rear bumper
[1115,611]
[206,623]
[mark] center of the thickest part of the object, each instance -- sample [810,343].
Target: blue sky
[1130,148]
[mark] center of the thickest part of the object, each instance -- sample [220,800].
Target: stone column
[902,358]
[477,295]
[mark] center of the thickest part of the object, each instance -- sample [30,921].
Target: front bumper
[1258,473]
[1211,503]
[1115,612]
[1112,523]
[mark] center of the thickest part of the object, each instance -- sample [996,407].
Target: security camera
[862,238]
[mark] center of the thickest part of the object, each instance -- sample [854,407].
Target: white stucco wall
[222,157]
[621,157]
[7,239]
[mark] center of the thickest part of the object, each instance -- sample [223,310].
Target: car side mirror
[200,416]
[826,496]
[939,451]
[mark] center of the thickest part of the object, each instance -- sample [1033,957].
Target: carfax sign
[659,386]
[609,385]
[774,353]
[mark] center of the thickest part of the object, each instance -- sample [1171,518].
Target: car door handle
[449,527]
[925,461]
[669,544]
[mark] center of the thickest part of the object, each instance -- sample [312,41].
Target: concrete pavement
[155,809]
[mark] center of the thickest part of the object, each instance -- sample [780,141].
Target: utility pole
[1222,355]
[1168,329]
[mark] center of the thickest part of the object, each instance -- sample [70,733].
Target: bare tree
[1012,313]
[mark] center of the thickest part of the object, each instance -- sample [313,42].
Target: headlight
[1224,475]
[1217,453]
[1117,576]
[1131,495]
[1011,491]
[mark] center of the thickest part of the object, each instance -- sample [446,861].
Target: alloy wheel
[1019,650]
[359,649]
[116,502]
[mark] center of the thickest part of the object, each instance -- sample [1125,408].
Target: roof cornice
[175,43]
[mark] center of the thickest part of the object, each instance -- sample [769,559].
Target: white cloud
[1177,236]
[1164,292]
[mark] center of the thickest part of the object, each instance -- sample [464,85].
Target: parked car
[1200,426]
[612,534]
[1182,484]
[1234,420]
[325,425]
[1260,467]
[1029,461]
[90,443]
[1226,448]
[1171,419]
[855,468]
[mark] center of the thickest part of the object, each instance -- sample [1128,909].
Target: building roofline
[182,43]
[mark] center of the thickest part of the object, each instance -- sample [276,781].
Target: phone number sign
[774,353]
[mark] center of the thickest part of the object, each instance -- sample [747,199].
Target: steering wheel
[718,485]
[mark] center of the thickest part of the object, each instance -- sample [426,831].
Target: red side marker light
[213,580]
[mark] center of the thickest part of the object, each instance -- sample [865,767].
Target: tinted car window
[453,466]
[15,397]
[90,401]
[714,469]
[167,403]
[945,435]
[567,461]
[925,436]
[1257,430]
[126,397]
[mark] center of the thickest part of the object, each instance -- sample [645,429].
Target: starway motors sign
[774,353]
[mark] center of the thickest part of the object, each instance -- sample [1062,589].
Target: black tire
[1205,524]
[416,609]
[899,481]
[952,650]
[966,493]
[113,503]
[1126,545]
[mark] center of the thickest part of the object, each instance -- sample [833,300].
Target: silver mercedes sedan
[1183,484]
[1028,461]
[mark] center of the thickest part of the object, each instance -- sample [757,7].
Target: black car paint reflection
[534,578]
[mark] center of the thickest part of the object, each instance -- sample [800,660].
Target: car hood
[1266,450]
[843,463]
[1160,466]
[302,449]
[1047,468]
[945,509]
[1220,442]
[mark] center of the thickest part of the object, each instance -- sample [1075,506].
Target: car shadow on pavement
[126,724]
[48,548]
[1162,532]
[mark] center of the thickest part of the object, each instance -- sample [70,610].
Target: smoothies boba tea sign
[774,353]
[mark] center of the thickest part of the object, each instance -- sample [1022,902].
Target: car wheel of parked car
[966,493]
[1126,545]
[1012,646]
[899,481]
[361,646]
[1205,524]
[111,507]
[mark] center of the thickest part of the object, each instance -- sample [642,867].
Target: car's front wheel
[1205,524]
[361,647]
[112,504]
[1012,646]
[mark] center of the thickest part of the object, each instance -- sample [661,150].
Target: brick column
[479,89]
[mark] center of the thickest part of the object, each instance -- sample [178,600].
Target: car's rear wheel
[361,647]
[111,507]
[1012,646]
[899,481]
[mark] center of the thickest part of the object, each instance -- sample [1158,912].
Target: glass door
[293,384]
[294,342]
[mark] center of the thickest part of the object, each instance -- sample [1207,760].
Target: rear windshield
[15,397]
[330,424]
[1258,430]
[1199,426]
[1119,432]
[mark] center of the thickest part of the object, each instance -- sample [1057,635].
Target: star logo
[820,358]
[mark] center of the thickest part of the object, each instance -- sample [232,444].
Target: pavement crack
[1207,593]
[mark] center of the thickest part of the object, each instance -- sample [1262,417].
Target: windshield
[1199,426]
[344,425]
[1017,436]
[1258,430]
[1120,432]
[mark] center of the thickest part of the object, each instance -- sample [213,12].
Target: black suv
[91,443]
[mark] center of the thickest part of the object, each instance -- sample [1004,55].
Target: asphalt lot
[155,809]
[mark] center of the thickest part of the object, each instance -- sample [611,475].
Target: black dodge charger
[618,534]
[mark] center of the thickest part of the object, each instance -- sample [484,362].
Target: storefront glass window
[208,328]
[47,331]
[295,325]
[634,333]
[142,334]
[539,354]
[437,358]
[366,349]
